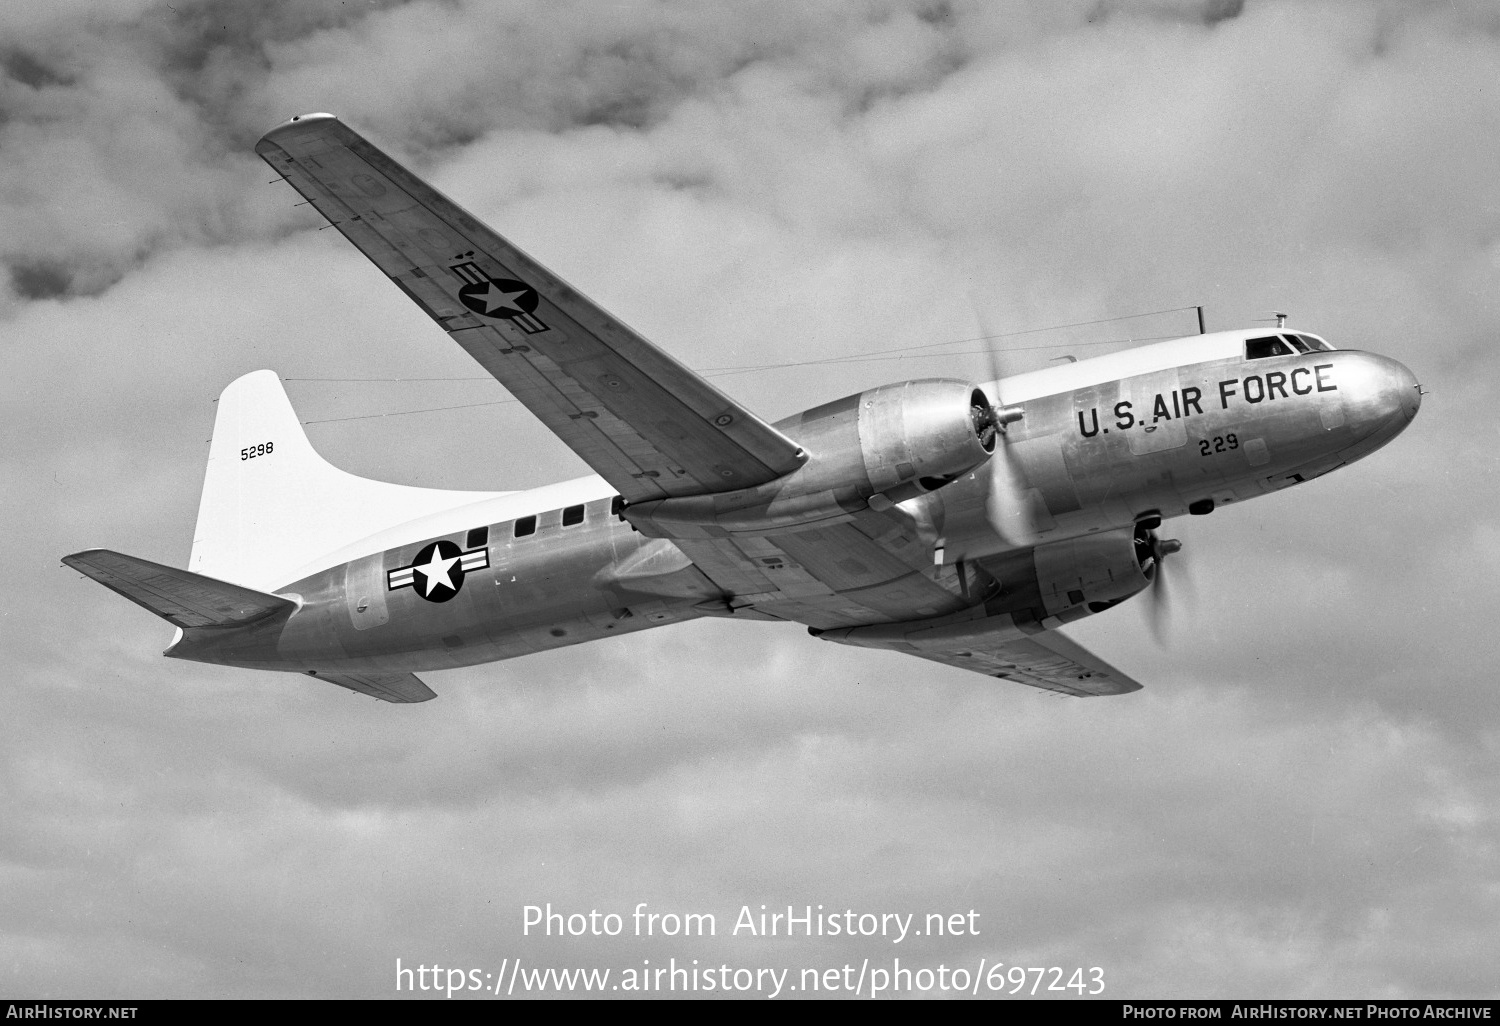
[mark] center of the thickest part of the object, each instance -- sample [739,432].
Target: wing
[400,688]
[644,422]
[1048,660]
[180,597]
[648,425]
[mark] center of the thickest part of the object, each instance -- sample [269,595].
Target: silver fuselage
[1100,450]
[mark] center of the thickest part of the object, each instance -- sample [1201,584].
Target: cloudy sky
[1301,803]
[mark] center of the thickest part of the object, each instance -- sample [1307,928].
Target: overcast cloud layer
[1302,802]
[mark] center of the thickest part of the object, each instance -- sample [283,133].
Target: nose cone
[1396,394]
[1407,388]
[1381,396]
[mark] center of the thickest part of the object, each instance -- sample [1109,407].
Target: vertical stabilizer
[272,506]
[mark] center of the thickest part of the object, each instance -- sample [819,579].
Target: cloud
[1299,803]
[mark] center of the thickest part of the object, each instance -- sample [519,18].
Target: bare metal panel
[1048,473]
[364,591]
[1156,405]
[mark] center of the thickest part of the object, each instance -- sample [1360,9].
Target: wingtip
[72,559]
[295,122]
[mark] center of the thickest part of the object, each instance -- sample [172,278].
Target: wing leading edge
[644,422]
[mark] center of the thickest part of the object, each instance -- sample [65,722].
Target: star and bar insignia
[438,571]
[505,298]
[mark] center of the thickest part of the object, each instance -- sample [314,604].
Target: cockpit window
[1315,343]
[1271,345]
[1296,342]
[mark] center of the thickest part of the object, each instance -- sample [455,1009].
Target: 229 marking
[1219,443]
[263,449]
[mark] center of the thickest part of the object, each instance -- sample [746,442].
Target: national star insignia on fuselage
[437,572]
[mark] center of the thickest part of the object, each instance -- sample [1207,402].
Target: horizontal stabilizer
[180,597]
[388,687]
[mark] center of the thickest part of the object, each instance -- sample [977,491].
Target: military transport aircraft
[956,521]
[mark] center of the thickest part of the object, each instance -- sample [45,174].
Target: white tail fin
[271,505]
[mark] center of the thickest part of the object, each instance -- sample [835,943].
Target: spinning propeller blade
[1008,504]
[1158,607]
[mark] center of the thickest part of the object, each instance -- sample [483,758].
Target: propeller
[1158,608]
[1007,505]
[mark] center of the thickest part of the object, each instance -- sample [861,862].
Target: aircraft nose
[1386,397]
[1408,388]
[1399,395]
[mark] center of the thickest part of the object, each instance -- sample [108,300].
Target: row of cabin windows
[571,516]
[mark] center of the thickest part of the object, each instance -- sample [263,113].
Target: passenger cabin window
[616,505]
[477,537]
[572,515]
[1271,345]
[525,526]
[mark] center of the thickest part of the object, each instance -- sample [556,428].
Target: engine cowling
[1028,592]
[896,441]
[1093,572]
[890,437]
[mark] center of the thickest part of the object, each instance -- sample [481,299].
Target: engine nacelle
[1090,574]
[896,441]
[889,438]
[1029,591]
